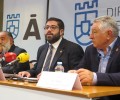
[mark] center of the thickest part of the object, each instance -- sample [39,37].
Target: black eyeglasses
[51,27]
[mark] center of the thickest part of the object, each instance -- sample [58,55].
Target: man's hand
[86,76]
[38,76]
[24,74]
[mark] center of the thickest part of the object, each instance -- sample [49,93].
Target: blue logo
[85,12]
[12,24]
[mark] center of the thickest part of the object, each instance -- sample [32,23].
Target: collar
[109,48]
[56,44]
[12,48]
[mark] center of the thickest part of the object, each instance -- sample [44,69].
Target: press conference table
[16,90]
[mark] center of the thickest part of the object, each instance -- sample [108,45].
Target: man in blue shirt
[101,62]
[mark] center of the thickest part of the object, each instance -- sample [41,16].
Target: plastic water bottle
[59,67]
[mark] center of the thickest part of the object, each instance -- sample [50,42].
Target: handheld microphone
[21,58]
[8,57]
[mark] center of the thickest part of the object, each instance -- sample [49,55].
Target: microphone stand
[14,66]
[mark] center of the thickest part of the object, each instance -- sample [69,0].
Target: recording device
[8,57]
[21,58]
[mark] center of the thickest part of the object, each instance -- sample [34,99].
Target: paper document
[59,80]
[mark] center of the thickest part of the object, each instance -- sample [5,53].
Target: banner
[25,19]
[78,16]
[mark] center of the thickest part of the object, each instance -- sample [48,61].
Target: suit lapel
[114,53]
[42,57]
[95,59]
[58,53]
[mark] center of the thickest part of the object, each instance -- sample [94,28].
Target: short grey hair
[108,22]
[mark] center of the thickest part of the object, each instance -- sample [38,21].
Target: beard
[6,47]
[51,38]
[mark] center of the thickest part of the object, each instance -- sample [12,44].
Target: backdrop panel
[78,16]
[25,19]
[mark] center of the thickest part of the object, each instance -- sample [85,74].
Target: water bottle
[59,67]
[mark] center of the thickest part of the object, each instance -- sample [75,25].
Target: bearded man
[7,45]
[65,51]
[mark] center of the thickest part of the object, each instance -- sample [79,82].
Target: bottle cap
[59,63]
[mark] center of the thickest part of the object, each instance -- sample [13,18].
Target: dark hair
[59,21]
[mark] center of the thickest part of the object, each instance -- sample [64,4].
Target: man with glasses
[57,49]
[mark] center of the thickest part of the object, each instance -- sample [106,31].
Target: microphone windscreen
[23,57]
[10,56]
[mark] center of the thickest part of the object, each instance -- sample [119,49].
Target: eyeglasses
[51,27]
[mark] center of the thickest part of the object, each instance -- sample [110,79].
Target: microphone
[8,57]
[21,58]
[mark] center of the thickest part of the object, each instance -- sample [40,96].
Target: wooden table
[23,91]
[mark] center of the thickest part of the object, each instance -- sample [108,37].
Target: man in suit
[101,63]
[64,51]
[7,45]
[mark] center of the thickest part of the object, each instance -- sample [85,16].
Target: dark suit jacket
[68,52]
[112,76]
[18,66]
